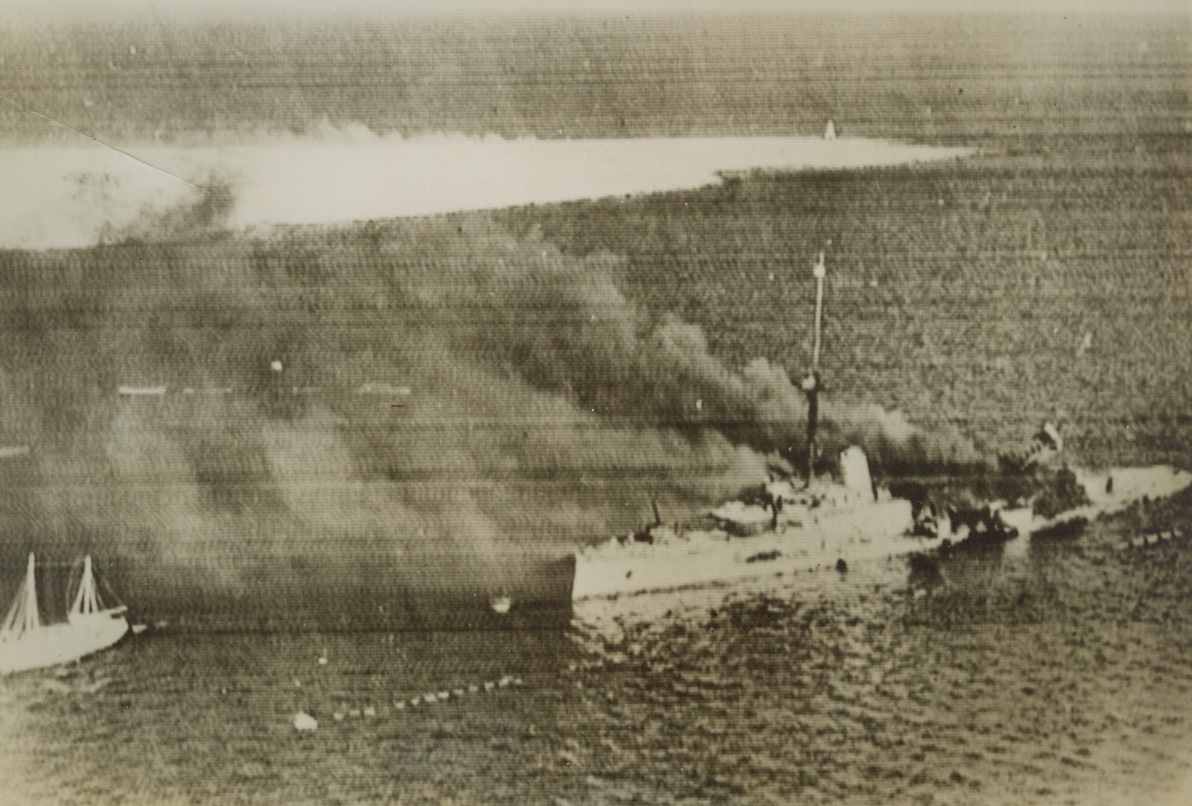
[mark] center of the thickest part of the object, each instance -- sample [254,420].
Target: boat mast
[85,600]
[32,619]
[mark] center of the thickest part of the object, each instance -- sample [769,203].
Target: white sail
[86,600]
[23,616]
[27,643]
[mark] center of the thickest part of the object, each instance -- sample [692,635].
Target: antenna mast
[811,384]
[820,271]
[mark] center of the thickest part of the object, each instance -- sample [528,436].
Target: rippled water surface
[1057,675]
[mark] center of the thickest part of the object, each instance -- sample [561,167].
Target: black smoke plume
[354,419]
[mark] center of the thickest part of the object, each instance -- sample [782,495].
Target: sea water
[1058,676]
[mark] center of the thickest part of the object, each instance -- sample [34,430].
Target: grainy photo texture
[595,403]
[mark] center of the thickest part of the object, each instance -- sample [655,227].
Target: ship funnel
[854,471]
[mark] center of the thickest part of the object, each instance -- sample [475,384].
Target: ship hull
[869,532]
[55,644]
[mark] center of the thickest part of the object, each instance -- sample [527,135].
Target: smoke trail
[73,197]
[205,210]
[357,417]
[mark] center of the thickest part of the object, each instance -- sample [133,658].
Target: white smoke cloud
[76,197]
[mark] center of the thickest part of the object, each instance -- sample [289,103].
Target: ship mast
[86,600]
[32,617]
[811,384]
[23,616]
[819,272]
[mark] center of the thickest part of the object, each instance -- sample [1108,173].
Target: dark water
[1062,674]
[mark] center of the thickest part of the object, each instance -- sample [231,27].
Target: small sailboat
[26,643]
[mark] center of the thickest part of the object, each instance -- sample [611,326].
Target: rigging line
[95,139]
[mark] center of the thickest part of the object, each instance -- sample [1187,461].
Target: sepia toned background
[417,340]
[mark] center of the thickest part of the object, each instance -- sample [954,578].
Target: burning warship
[831,522]
[824,521]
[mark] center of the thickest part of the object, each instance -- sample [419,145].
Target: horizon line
[19,13]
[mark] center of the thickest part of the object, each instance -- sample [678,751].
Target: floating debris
[304,722]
